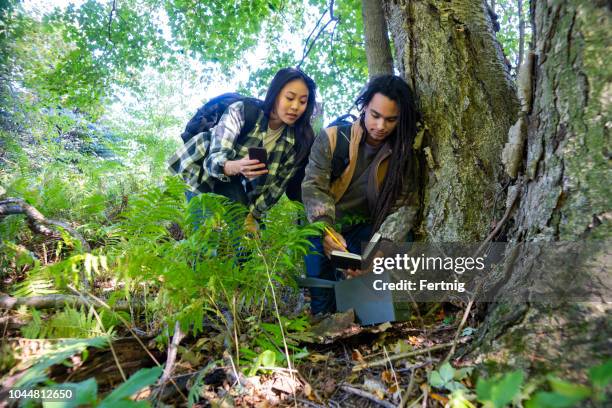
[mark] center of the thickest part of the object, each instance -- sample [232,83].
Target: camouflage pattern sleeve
[318,201]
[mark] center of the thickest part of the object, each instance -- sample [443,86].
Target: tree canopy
[78,55]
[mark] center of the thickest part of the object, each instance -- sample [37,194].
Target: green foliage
[77,56]
[104,47]
[601,375]
[268,342]
[446,377]
[56,355]
[201,28]
[86,392]
[196,387]
[508,35]
[500,391]
[70,323]
[337,60]
[136,382]
[565,394]
[201,271]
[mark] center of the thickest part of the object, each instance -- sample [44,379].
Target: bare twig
[392,369]
[110,340]
[276,310]
[399,356]
[309,403]
[307,47]
[408,391]
[312,32]
[367,395]
[172,350]
[110,20]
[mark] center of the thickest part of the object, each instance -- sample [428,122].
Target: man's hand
[245,166]
[330,245]
[353,273]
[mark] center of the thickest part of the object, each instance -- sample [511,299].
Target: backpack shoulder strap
[340,158]
[252,110]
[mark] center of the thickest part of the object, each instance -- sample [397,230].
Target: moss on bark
[448,52]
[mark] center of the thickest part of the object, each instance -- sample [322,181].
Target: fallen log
[55,301]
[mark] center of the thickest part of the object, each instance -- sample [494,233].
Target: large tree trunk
[565,195]
[449,54]
[378,49]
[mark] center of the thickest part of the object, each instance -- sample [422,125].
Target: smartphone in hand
[258,153]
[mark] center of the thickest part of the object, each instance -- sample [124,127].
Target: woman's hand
[245,166]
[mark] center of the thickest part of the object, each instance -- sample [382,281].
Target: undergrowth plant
[215,267]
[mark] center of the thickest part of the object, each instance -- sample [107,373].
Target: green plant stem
[276,310]
[129,327]
[110,340]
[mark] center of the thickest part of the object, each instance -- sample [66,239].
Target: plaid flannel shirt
[206,153]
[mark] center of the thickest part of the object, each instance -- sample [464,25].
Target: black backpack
[340,158]
[209,114]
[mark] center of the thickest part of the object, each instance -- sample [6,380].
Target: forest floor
[346,365]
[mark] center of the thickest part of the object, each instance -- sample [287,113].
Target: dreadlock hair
[402,161]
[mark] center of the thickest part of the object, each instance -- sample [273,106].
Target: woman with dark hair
[280,125]
[377,186]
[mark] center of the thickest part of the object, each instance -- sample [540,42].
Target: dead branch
[172,350]
[55,301]
[307,47]
[110,20]
[399,356]
[367,395]
[36,221]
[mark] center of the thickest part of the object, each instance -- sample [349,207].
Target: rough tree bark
[448,52]
[566,193]
[378,49]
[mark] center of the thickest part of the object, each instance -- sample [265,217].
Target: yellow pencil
[336,240]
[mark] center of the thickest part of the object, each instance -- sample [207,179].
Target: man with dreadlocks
[376,190]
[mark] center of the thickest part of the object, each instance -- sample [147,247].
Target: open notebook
[348,260]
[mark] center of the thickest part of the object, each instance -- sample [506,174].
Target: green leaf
[484,389]
[577,391]
[550,400]
[601,375]
[500,392]
[268,358]
[135,383]
[84,393]
[447,372]
[507,388]
[435,380]
[462,373]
